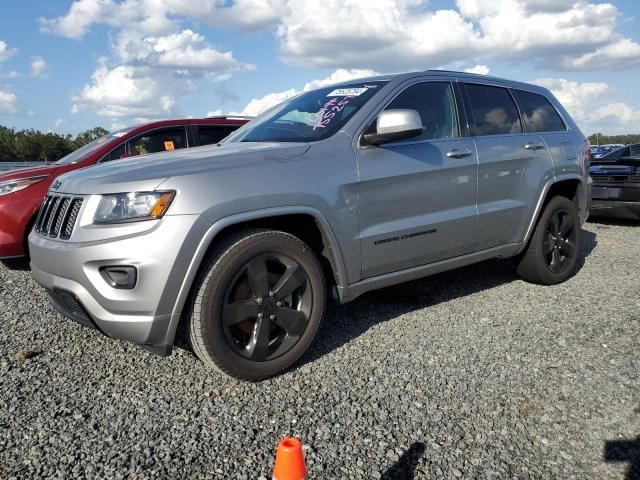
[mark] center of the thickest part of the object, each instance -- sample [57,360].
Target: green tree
[89,136]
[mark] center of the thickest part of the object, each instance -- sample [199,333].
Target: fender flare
[337,259]
[543,197]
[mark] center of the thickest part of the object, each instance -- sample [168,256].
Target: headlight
[132,207]
[11,186]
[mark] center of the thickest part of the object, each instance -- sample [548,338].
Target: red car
[22,191]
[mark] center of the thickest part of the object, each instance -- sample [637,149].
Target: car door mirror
[394,125]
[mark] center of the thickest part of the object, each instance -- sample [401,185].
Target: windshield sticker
[169,145]
[347,92]
[329,110]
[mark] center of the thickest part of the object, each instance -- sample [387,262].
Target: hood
[28,172]
[147,172]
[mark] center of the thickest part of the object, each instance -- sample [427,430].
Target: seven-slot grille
[58,216]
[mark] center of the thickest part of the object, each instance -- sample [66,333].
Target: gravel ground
[468,374]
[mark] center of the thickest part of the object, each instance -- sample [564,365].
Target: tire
[550,243]
[257,304]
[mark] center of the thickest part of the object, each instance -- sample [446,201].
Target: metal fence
[15,165]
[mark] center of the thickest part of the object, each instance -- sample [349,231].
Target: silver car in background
[337,191]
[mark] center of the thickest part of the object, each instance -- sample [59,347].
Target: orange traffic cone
[289,461]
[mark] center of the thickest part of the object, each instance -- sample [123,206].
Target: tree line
[600,139]
[33,145]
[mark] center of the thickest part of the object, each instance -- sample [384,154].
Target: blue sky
[71,65]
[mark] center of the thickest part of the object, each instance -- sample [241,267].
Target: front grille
[58,216]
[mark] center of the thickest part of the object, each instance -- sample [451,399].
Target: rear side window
[435,103]
[537,113]
[209,134]
[162,140]
[634,151]
[494,111]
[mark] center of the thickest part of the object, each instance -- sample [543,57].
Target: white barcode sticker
[347,92]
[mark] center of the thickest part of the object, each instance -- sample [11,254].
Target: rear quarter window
[538,114]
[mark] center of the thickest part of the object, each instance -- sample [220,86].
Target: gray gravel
[469,374]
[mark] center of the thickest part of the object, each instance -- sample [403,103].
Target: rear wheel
[258,305]
[554,248]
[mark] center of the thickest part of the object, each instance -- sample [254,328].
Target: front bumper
[145,314]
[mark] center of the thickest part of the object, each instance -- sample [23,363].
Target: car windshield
[310,116]
[83,152]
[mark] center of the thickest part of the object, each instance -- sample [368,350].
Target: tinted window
[162,140]
[213,134]
[635,150]
[435,103]
[537,113]
[494,111]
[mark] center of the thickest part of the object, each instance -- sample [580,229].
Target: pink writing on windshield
[329,110]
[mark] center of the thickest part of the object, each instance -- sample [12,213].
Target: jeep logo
[56,185]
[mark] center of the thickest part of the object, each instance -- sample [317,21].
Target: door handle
[459,153]
[534,146]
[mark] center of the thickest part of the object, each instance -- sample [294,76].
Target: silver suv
[339,190]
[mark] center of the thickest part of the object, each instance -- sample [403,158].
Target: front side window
[538,114]
[493,109]
[163,140]
[310,116]
[435,103]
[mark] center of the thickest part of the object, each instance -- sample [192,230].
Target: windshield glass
[310,116]
[83,152]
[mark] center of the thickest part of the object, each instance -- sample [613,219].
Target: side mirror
[394,125]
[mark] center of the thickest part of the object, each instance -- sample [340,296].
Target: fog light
[120,277]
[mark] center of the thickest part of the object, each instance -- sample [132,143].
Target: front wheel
[552,253]
[258,304]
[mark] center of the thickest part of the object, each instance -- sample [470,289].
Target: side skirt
[354,290]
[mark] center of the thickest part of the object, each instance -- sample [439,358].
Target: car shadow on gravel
[20,264]
[624,451]
[404,468]
[343,323]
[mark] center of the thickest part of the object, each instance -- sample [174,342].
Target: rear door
[417,197]
[512,165]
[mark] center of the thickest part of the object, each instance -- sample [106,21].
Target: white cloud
[38,66]
[389,35]
[258,105]
[6,52]
[12,74]
[591,107]
[7,102]
[150,74]
[479,69]
[621,55]
[58,123]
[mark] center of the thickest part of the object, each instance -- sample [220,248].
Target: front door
[417,197]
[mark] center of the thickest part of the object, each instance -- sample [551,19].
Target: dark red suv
[22,191]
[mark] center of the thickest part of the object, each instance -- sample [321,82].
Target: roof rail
[231,117]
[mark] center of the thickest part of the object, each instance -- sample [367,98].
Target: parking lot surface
[468,374]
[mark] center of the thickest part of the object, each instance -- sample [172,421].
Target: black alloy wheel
[257,304]
[267,307]
[560,241]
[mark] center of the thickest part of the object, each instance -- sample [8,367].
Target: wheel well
[303,226]
[565,188]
